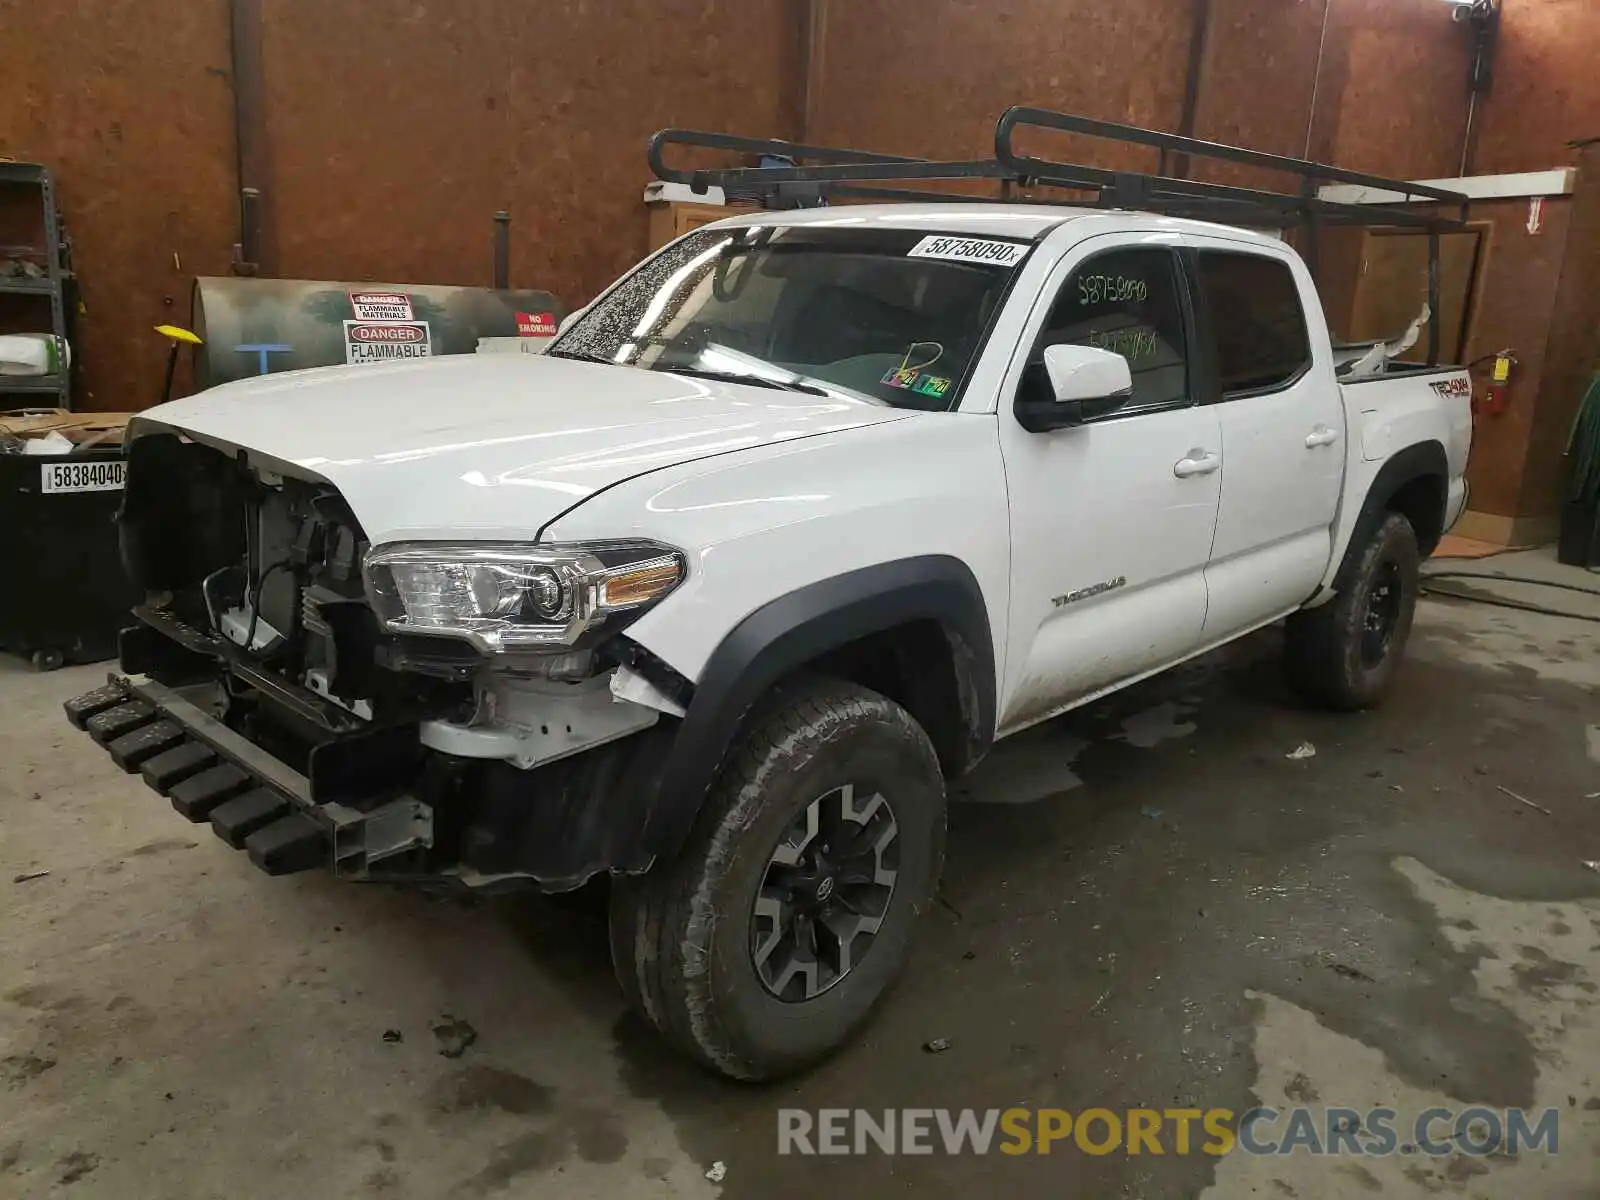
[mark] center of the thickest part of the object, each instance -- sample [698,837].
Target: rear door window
[1257,320]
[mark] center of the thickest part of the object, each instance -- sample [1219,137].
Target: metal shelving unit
[15,176]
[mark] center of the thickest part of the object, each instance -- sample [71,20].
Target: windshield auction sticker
[984,251]
[386,341]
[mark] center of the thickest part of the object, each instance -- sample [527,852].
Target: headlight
[518,597]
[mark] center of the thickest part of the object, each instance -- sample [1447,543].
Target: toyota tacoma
[786,529]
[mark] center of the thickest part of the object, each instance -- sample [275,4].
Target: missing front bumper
[253,801]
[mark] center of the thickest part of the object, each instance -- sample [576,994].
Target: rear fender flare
[1418,461]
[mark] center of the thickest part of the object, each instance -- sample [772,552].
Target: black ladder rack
[821,173]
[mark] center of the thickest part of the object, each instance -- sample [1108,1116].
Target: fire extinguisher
[1495,396]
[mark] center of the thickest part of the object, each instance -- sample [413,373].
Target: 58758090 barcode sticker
[983,251]
[82,476]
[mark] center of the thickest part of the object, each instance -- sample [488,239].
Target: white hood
[490,446]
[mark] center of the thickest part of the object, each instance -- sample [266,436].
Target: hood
[490,446]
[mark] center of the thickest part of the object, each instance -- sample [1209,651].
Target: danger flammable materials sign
[386,341]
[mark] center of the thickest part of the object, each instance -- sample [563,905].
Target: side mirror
[1074,384]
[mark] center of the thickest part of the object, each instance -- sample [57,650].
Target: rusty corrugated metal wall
[1393,93]
[1256,50]
[930,77]
[133,111]
[395,130]
[395,139]
[1546,86]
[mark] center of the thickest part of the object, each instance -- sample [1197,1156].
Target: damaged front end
[443,714]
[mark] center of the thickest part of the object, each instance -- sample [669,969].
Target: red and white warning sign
[386,341]
[536,324]
[382,306]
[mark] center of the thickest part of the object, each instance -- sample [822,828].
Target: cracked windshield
[887,315]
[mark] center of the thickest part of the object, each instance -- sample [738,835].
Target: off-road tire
[681,934]
[1323,649]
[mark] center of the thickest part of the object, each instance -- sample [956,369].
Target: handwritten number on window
[1111,289]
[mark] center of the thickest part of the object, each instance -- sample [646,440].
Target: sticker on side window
[984,251]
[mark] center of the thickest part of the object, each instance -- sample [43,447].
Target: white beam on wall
[1558,182]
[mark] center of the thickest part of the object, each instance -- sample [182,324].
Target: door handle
[1321,436]
[1198,462]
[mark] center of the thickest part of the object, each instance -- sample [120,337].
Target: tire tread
[654,915]
[1317,640]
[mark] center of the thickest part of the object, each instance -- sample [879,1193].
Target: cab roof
[998,220]
[1029,221]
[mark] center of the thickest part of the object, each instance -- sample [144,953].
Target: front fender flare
[792,630]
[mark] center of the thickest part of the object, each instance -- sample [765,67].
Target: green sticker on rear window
[932,385]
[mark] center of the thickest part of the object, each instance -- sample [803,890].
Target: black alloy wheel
[828,884]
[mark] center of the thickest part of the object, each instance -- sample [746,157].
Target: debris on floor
[29,876]
[393,1036]
[937,1045]
[1592,864]
[1302,751]
[1525,800]
[1354,974]
[454,1035]
[76,1165]
[718,1171]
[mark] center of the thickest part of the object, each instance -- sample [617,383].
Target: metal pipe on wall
[502,250]
[1199,33]
[256,253]
[1485,21]
[1316,77]
[813,24]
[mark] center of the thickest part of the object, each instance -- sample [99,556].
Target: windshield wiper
[767,381]
[581,356]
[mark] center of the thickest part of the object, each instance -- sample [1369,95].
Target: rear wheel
[1344,654]
[768,941]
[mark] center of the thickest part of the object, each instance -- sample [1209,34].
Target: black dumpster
[1579,544]
[64,595]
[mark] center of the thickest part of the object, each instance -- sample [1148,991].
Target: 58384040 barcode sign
[102,476]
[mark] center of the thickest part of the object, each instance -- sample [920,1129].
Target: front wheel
[1344,654]
[788,914]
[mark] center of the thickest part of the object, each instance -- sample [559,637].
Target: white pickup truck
[786,529]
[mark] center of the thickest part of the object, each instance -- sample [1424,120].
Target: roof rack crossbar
[748,145]
[757,178]
[1022,116]
[916,195]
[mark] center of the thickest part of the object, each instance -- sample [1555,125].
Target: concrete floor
[1146,904]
